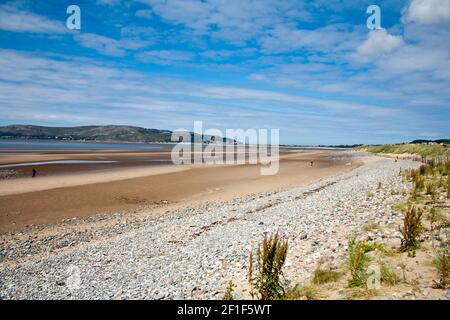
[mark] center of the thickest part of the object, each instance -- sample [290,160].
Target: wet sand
[63,191]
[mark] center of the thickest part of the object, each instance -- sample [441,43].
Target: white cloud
[227,54]
[134,32]
[15,20]
[333,37]
[109,46]
[165,56]
[416,59]
[61,90]
[379,42]
[233,21]
[428,11]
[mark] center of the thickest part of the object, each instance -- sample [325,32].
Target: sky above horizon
[310,68]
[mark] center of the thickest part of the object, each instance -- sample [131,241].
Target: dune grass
[425,150]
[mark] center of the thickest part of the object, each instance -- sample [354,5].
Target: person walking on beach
[312,163]
[34,173]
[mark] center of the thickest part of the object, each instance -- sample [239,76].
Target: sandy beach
[191,252]
[136,180]
[182,232]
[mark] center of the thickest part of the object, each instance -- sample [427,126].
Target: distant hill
[109,133]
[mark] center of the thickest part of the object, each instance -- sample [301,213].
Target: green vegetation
[371,226]
[412,227]
[424,150]
[448,187]
[360,292]
[229,292]
[86,133]
[403,206]
[265,277]
[428,185]
[307,292]
[442,265]
[430,188]
[374,246]
[437,219]
[357,263]
[388,275]
[429,182]
[322,276]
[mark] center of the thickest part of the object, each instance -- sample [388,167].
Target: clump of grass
[436,218]
[414,192]
[442,264]
[358,293]
[357,263]
[229,292]
[374,246]
[422,169]
[412,227]
[430,176]
[419,183]
[307,292]
[403,206]
[430,189]
[441,183]
[388,275]
[371,226]
[448,187]
[322,275]
[265,272]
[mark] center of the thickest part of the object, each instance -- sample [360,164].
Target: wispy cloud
[165,56]
[310,68]
[96,93]
[109,46]
[15,20]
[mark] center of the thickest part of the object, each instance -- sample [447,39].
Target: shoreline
[47,200]
[193,251]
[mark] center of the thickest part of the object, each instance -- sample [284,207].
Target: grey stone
[169,256]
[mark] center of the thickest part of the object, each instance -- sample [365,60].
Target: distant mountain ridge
[108,133]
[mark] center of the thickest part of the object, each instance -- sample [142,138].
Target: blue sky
[310,68]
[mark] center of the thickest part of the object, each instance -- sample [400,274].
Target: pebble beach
[192,252]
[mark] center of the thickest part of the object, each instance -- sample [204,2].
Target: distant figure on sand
[312,163]
[34,173]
